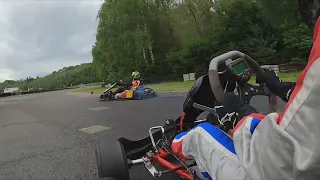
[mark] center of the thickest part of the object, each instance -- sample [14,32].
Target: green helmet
[135,75]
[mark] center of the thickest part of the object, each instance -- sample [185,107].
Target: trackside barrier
[186,77]
[275,68]
[192,76]
[189,77]
[291,67]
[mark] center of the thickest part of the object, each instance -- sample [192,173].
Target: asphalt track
[40,136]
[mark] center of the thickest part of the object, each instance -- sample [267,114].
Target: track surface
[40,137]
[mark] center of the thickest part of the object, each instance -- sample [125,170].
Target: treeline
[63,78]
[166,38]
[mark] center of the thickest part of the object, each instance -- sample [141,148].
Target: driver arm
[285,90]
[285,146]
[276,146]
[278,87]
[124,84]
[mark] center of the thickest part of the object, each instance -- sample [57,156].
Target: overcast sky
[41,36]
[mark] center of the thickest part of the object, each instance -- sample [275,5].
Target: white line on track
[94,129]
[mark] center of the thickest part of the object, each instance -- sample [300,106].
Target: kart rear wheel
[148,93]
[112,161]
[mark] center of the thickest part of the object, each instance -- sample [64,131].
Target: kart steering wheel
[247,91]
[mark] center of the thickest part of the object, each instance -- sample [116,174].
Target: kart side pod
[129,94]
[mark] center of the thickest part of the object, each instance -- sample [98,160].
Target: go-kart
[128,94]
[228,72]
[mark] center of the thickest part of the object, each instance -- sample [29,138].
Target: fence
[275,68]
[291,67]
[286,68]
[174,78]
[189,77]
[282,68]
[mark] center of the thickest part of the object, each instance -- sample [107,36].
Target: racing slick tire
[112,161]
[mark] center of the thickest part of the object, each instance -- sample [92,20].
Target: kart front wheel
[101,98]
[112,161]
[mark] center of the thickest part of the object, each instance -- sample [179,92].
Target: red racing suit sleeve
[286,145]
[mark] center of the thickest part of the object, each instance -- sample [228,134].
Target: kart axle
[137,161]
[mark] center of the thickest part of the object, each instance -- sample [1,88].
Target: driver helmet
[310,11]
[135,75]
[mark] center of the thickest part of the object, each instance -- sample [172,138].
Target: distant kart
[128,94]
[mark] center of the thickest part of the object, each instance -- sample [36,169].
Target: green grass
[171,86]
[184,86]
[94,84]
[289,77]
[286,77]
[163,87]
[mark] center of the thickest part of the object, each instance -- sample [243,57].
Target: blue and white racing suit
[273,147]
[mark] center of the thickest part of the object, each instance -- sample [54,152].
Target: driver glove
[279,88]
[233,109]
[123,84]
[234,104]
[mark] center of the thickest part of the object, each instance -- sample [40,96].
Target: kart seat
[200,93]
[197,85]
[135,149]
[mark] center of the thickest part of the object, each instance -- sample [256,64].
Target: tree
[165,38]
[168,37]
[64,77]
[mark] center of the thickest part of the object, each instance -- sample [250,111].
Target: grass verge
[95,90]
[163,87]
[286,77]
[184,86]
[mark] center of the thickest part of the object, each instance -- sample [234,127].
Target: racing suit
[138,88]
[272,147]
[136,83]
[121,87]
[134,86]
